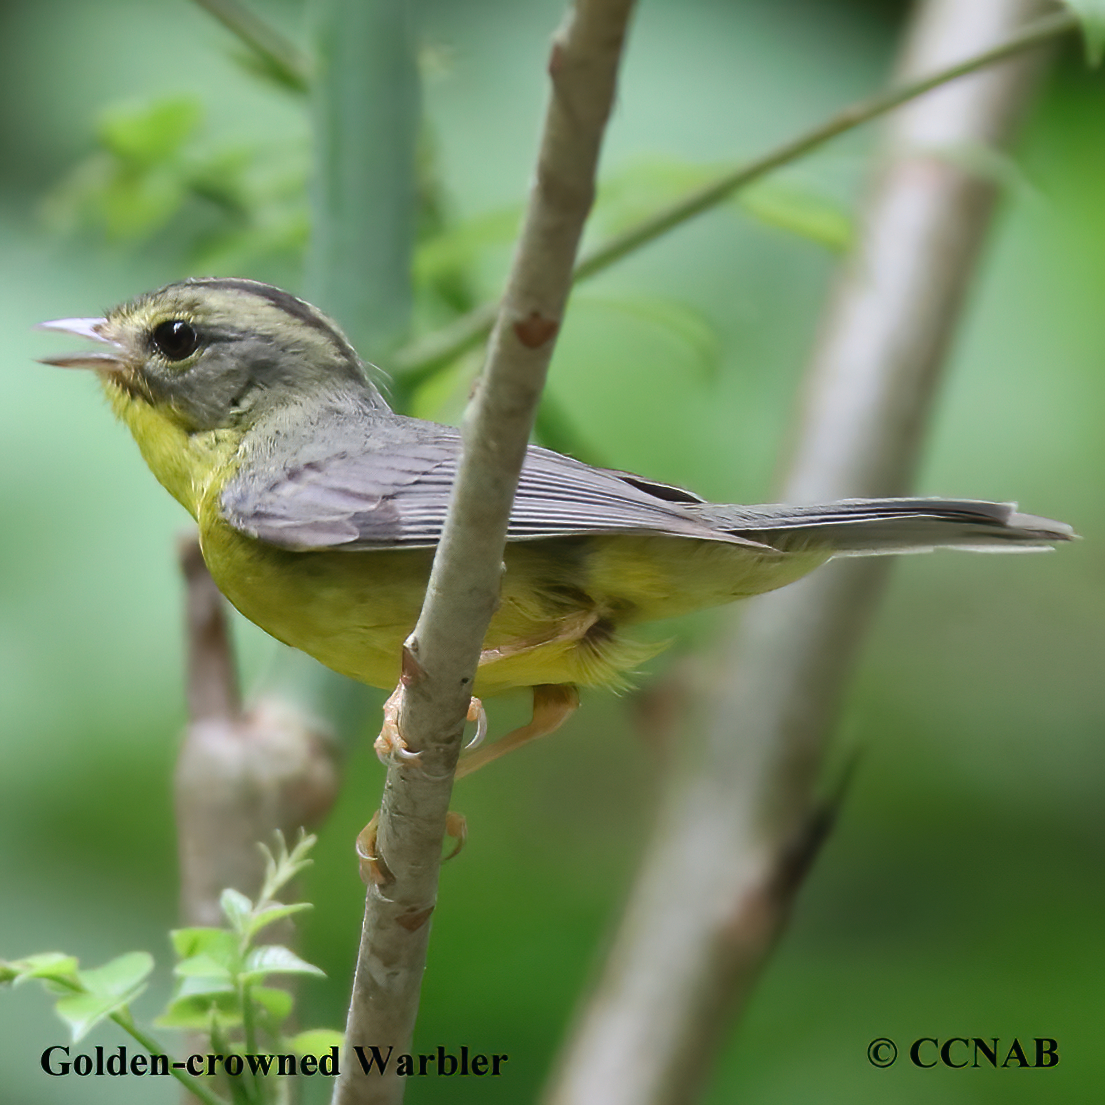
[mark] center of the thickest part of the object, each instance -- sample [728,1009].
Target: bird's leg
[553,704]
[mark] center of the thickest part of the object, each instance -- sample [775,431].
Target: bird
[319,507]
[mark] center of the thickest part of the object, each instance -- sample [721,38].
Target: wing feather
[392,490]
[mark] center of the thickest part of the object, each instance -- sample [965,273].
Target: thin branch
[739,827]
[240,774]
[442,653]
[465,333]
[275,53]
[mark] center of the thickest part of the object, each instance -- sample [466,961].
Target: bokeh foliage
[961,894]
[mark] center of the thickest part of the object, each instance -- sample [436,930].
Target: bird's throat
[185,464]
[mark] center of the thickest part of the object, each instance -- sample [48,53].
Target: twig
[719,881]
[277,54]
[441,654]
[465,333]
[240,774]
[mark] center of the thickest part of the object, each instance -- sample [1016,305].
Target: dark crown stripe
[286,302]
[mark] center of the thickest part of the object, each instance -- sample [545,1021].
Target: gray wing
[370,480]
[390,489]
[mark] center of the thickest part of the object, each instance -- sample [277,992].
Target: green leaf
[1091,14]
[204,966]
[460,245]
[276,1003]
[276,959]
[136,203]
[315,1041]
[268,914]
[49,966]
[191,986]
[82,1012]
[798,212]
[195,1011]
[119,978]
[626,197]
[150,134]
[680,320]
[991,164]
[108,989]
[237,909]
[283,866]
[220,945]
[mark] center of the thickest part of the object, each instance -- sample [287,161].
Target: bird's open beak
[110,358]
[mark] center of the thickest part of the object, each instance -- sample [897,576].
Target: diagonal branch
[275,53]
[743,822]
[465,333]
[442,653]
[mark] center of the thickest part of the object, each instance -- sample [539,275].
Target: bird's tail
[868,527]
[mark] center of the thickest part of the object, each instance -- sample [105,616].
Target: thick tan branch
[720,878]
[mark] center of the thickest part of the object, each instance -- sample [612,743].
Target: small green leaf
[152,133]
[626,197]
[276,1003]
[195,1011]
[283,866]
[315,1041]
[220,945]
[991,164]
[268,914]
[119,978]
[136,203]
[276,959]
[204,966]
[460,245]
[82,1012]
[1091,14]
[49,966]
[802,213]
[108,989]
[237,909]
[680,320]
[191,986]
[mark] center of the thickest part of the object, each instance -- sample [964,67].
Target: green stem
[190,1081]
[421,358]
[249,1026]
[281,57]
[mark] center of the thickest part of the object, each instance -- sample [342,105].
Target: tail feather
[868,527]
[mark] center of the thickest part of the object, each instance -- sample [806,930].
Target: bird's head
[214,354]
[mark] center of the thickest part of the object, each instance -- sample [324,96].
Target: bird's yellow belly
[564,607]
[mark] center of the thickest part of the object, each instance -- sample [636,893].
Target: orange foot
[553,704]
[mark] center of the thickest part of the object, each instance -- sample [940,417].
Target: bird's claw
[478,714]
[456,827]
[389,745]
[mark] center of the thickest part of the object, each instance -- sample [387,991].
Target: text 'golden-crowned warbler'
[319,507]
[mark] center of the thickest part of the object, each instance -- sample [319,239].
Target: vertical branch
[241,773]
[743,823]
[441,655]
[366,103]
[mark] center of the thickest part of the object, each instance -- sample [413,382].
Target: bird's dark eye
[175,339]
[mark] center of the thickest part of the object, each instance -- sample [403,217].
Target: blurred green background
[962,893]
